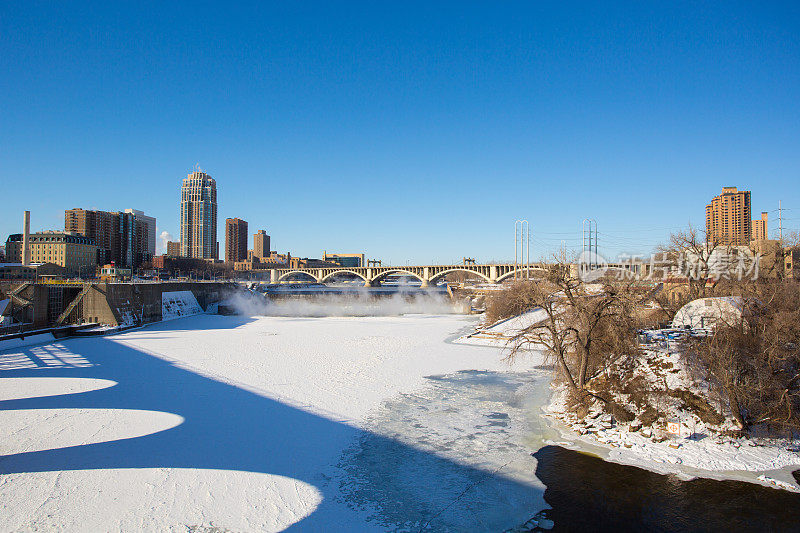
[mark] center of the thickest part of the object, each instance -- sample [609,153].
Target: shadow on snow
[229,428]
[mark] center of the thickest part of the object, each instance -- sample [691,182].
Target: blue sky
[411,131]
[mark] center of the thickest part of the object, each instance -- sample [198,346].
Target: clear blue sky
[410,131]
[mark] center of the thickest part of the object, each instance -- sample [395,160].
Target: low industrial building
[32,272]
[114,273]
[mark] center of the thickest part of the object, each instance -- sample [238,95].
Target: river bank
[696,449]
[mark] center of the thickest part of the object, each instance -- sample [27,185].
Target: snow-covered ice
[269,423]
[28,340]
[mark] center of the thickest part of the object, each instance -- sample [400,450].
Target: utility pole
[780,223]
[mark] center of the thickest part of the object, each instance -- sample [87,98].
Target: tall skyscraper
[261,244]
[760,229]
[728,218]
[235,240]
[199,216]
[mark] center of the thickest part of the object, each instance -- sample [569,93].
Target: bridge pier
[273,275]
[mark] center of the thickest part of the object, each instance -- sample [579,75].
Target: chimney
[26,245]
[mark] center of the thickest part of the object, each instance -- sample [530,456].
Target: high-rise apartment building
[199,216]
[144,246]
[728,218]
[261,244]
[115,234]
[760,229]
[235,240]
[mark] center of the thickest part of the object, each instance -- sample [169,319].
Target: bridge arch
[286,275]
[392,272]
[443,273]
[342,271]
[511,273]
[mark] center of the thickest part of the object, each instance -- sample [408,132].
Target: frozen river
[269,423]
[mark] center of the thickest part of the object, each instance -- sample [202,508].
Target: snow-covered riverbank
[697,450]
[269,423]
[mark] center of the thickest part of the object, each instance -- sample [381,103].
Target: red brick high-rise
[235,240]
[728,218]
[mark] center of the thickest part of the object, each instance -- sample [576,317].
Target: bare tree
[584,327]
[548,334]
[754,361]
[693,254]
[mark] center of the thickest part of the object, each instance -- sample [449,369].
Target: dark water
[589,494]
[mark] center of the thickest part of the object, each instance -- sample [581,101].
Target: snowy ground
[498,334]
[694,453]
[271,423]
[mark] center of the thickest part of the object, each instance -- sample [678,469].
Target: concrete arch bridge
[427,274]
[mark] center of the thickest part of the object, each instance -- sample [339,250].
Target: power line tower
[586,238]
[524,242]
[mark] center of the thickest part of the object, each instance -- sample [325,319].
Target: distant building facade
[261,245]
[235,240]
[728,218]
[760,229]
[199,217]
[791,264]
[276,260]
[32,272]
[346,260]
[273,260]
[144,246]
[125,238]
[77,254]
[173,248]
[178,264]
[114,273]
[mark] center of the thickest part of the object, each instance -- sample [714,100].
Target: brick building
[235,240]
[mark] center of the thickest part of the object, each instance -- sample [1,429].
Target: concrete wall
[119,303]
[115,303]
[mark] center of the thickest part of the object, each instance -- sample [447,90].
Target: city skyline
[417,134]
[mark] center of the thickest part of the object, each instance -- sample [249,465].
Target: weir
[41,305]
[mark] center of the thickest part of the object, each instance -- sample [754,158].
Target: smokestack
[26,245]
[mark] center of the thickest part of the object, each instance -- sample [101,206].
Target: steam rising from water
[360,303]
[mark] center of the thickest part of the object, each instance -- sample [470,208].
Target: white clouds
[161,245]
